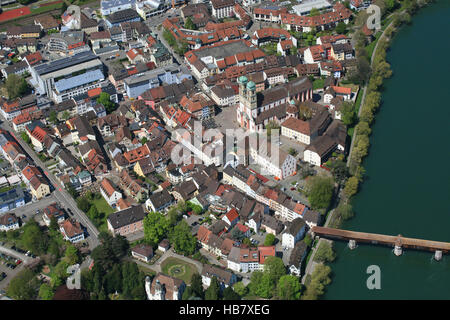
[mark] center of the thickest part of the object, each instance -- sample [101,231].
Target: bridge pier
[398,250]
[352,244]
[438,255]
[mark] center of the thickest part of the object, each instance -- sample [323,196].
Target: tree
[308,240]
[168,36]
[59,274]
[265,287]
[182,239]
[25,137]
[274,267]
[33,238]
[240,288]
[351,187]
[270,239]
[113,280]
[339,170]
[348,113]
[156,227]
[71,190]
[293,51]
[237,234]
[305,112]
[133,281]
[24,286]
[271,125]
[314,12]
[46,292]
[188,294]
[213,291]
[66,115]
[362,71]
[341,28]
[319,280]
[53,227]
[105,100]
[16,86]
[292,152]
[83,204]
[197,286]
[53,117]
[188,24]
[324,252]
[320,191]
[230,294]
[93,213]
[71,254]
[288,288]
[345,211]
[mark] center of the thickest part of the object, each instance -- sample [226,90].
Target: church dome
[243,79]
[251,85]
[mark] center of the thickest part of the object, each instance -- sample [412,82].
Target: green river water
[407,190]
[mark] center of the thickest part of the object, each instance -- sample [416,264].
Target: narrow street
[59,192]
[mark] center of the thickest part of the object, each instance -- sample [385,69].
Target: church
[257,109]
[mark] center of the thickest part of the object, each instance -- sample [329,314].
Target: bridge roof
[364,236]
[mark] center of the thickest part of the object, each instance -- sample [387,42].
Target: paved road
[60,194]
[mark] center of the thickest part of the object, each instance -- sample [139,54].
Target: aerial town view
[250,150]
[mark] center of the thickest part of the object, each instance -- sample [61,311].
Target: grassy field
[102,207]
[318,83]
[178,268]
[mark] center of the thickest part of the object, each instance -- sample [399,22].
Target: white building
[110,193]
[305,7]
[222,8]
[164,287]
[284,167]
[293,233]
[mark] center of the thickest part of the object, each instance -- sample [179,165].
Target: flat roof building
[46,74]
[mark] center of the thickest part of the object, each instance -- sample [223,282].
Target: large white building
[305,7]
[108,7]
[281,168]
[249,259]
[64,78]
[222,8]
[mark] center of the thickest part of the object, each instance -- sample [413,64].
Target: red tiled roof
[107,187]
[342,90]
[94,92]
[264,252]
[232,215]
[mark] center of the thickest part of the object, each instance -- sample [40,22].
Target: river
[407,186]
